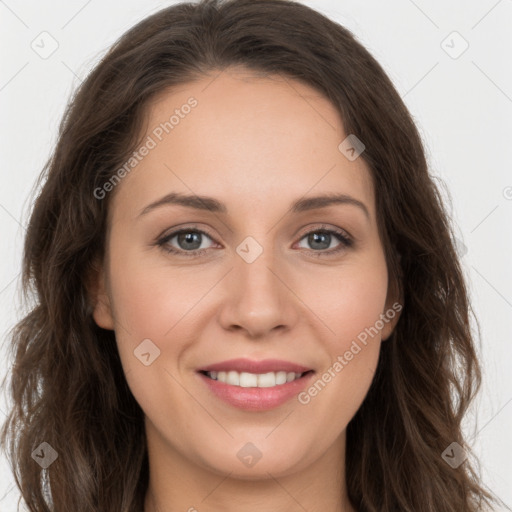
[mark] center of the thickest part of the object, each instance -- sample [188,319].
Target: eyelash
[346,242]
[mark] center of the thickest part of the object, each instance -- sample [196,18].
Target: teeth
[252,380]
[248,380]
[233,378]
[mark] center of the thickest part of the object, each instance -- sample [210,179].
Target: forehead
[249,140]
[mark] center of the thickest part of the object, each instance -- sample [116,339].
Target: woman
[255,369]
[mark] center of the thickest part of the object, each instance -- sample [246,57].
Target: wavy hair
[67,384]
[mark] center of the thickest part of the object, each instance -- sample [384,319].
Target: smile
[252,380]
[255,392]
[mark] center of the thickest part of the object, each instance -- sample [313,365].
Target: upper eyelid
[301,234]
[177,231]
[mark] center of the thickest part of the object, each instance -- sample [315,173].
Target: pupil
[188,238]
[315,238]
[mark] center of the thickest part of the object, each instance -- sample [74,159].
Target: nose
[259,297]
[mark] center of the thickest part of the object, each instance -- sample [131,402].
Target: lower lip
[256,399]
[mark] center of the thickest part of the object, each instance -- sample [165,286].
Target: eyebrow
[213,205]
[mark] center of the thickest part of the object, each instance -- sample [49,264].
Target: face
[249,277]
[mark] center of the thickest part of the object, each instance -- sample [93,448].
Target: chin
[249,463]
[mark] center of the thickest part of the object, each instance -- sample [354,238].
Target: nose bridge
[258,299]
[253,271]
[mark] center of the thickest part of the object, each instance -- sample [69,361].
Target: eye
[321,239]
[190,241]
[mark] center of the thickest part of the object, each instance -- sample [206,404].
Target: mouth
[254,380]
[255,385]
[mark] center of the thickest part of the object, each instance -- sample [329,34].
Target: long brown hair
[67,384]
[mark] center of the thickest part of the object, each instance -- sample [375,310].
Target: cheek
[151,300]
[349,301]
[351,310]
[153,303]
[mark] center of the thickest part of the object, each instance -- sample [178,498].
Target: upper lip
[251,366]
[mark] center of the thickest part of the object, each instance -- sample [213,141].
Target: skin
[257,144]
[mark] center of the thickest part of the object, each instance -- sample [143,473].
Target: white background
[462,106]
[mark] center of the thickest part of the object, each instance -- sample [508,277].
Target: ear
[394,305]
[99,297]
